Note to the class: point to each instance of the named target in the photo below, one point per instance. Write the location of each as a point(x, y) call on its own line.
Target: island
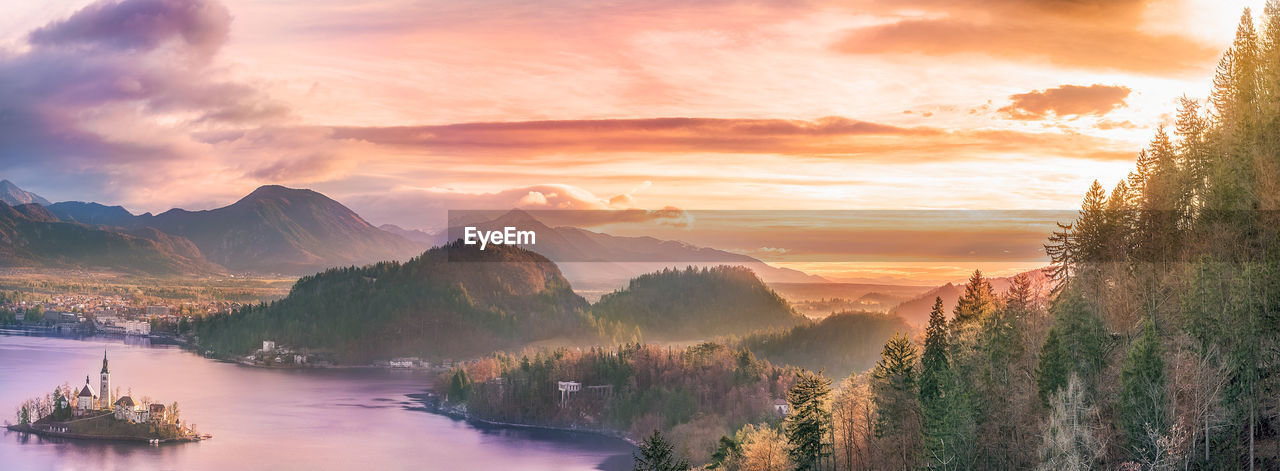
point(103, 415)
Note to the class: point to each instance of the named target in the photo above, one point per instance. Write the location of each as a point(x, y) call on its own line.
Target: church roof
point(125, 401)
point(104, 362)
point(85, 392)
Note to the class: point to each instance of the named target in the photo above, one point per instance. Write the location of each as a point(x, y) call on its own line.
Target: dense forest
point(695, 304)
point(695, 394)
point(1158, 348)
point(457, 302)
point(453, 301)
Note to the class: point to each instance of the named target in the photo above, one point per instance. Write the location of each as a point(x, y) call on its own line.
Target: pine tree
point(897, 401)
point(809, 422)
point(1077, 343)
point(978, 300)
point(655, 453)
point(459, 386)
point(933, 363)
point(1052, 369)
point(1143, 406)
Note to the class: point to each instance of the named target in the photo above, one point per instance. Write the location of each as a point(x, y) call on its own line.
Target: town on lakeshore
point(103, 414)
point(109, 314)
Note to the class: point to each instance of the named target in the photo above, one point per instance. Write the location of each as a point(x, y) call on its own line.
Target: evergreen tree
point(459, 386)
point(1053, 368)
point(978, 300)
point(933, 363)
point(1143, 406)
point(1077, 343)
point(726, 450)
point(897, 401)
point(655, 453)
point(809, 422)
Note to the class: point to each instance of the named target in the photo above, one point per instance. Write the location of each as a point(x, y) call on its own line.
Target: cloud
point(427, 208)
point(1066, 101)
point(120, 91)
point(140, 25)
point(1086, 34)
point(834, 137)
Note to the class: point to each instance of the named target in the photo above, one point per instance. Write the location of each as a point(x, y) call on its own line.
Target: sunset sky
point(404, 109)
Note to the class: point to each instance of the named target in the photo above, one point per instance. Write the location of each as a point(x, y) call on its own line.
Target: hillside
point(695, 303)
point(32, 236)
point(272, 230)
point(451, 302)
point(841, 344)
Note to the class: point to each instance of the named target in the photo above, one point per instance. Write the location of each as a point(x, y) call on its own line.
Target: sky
point(404, 109)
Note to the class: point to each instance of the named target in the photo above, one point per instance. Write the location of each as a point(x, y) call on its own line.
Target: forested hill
point(694, 303)
point(453, 301)
point(840, 344)
point(31, 236)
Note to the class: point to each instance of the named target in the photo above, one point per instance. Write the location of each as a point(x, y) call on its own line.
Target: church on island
point(124, 408)
point(83, 413)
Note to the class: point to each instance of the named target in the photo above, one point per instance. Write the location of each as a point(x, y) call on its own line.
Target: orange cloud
point(1087, 34)
point(1066, 100)
point(832, 137)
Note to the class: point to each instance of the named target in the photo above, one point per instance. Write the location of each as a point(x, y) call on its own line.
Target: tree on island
point(658, 454)
point(24, 415)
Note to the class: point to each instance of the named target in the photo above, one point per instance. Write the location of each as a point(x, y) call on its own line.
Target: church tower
point(104, 394)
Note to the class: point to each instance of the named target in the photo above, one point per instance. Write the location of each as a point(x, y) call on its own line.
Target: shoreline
point(27, 429)
point(467, 417)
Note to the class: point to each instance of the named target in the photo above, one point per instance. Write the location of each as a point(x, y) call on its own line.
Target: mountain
point(453, 301)
point(594, 260)
point(417, 235)
point(30, 235)
point(272, 230)
point(916, 310)
point(11, 195)
point(696, 303)
point(93, 214)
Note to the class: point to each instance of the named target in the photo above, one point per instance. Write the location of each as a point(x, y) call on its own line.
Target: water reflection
point(274, 419)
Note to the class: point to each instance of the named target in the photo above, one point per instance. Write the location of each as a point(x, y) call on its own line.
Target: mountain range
point(274, 229)
point(283, 230)
point(30, 235)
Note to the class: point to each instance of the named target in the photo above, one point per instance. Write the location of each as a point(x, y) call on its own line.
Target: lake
point(364, 419)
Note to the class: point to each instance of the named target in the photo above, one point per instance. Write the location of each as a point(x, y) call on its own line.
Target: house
point(157, 310)
point(781, 407)
point(268, 345)
point(126, 409)
point(567, 389)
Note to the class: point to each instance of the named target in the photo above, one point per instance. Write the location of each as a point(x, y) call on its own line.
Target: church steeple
point(104, 391)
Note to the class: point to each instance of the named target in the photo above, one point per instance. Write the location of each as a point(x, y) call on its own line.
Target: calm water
point(272, 419)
